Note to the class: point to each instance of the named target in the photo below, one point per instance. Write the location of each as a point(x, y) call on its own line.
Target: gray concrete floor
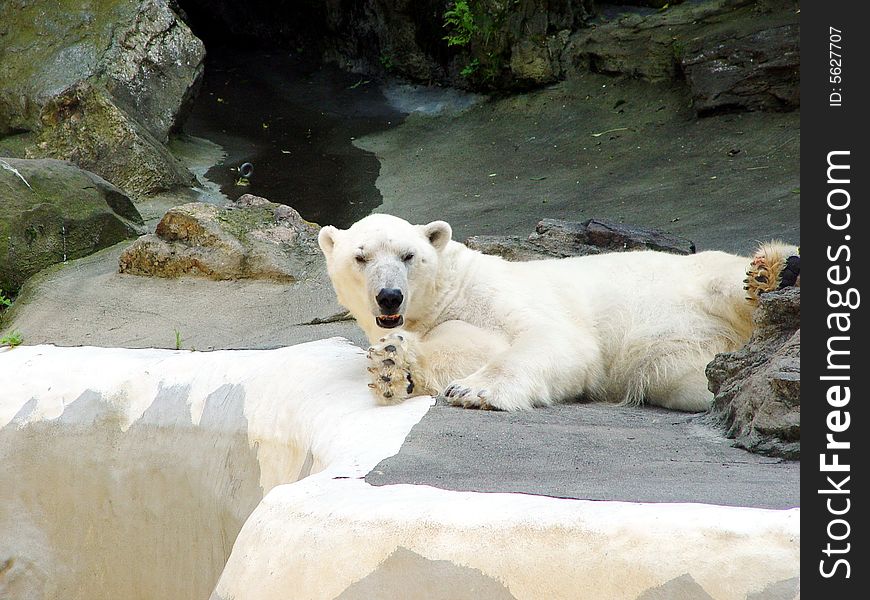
point(591, 451)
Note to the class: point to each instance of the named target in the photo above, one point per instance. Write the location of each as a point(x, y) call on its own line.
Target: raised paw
point(391, 369)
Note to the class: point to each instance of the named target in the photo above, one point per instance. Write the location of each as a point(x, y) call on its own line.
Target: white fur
point(625, 327)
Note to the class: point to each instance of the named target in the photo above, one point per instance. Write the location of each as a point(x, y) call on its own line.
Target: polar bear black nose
point(389, 299)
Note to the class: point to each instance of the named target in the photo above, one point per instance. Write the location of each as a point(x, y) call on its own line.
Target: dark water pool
point(295, 121)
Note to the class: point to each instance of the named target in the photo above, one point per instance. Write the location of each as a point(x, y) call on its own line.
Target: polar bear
point(483, 332)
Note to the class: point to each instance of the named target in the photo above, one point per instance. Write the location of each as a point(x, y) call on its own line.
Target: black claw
point(410, 384)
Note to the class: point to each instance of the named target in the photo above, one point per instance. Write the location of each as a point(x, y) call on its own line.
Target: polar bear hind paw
point(772, 264)
point(390, 370)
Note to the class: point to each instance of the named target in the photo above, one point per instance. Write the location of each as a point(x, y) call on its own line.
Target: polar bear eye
point(360, 259)
point(408, 257)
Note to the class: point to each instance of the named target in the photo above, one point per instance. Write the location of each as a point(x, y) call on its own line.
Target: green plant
point(4, 301)
point(386, 61)
point(479, 29)
point(12, 339)
point(177, 339)
point(471, 68)
point(459, 23)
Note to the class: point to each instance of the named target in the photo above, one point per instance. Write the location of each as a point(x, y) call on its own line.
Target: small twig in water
point(609, 131)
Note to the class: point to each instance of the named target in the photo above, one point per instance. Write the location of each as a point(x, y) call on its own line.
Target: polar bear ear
point(326, 239)
point(438, 233)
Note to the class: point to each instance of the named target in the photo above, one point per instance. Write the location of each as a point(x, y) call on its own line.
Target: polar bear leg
point(406, 365)
point(686, 391)
point(543, 366)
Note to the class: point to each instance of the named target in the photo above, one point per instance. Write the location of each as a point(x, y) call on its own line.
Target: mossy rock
point(251, 238)
point(52, 211)
point(84, 125)
point(138, 49)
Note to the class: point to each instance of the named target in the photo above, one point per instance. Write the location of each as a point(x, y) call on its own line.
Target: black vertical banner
point(835, 111)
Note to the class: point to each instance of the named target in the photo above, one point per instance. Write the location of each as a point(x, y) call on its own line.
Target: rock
point(516, 44)
point(554, 238)
point(531, 61)
point(251, 238)
point(139, 51)
point(509, 247)
point(607, 235)
point(102, 83)
point(154, 68)
point(52, 211)
point(755, 70)
point(84, 125)
point(757, 388)
point(733, 54)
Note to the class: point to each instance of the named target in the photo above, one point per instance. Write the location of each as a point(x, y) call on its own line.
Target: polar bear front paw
point(466, 397)
point(391, 370)
point(487, 393)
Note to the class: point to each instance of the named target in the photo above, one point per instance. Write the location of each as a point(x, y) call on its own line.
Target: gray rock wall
point(757, 388)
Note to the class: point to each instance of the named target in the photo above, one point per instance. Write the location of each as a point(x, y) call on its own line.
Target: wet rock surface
point(251, 238)
point(554, 238)
point(52, 211)
point(757, 388)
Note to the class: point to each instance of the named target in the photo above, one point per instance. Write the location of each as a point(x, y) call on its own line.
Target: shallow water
point(295, 121)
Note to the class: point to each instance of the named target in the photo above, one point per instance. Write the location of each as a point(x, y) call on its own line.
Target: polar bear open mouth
point(389, 321)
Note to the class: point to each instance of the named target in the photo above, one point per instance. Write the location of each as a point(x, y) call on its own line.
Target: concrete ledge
point(240, 474)
point(347, 539)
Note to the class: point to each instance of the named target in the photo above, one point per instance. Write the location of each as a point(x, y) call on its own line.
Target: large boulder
point(85, 126)
point(757, 388)
point(251, 238)
point(52, 211)
point(733, 54)
point(130, 61)
point(139, 51)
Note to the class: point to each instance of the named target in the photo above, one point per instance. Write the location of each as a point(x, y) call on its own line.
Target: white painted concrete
point(133, 473)
point(128, 473)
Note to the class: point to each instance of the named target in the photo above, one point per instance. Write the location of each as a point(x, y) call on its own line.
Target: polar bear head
point(383, 268)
